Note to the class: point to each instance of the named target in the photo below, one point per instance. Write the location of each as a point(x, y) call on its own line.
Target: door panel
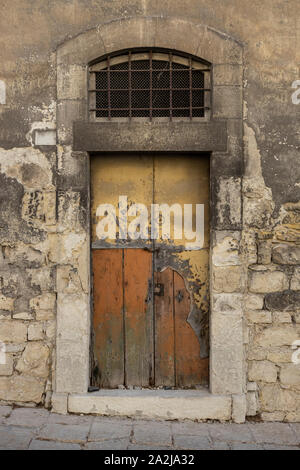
point(123, 317)
point(138, 311)
point(182, 179)
point(108, 316)
point(120, 175)
point(190, 369)
point(164, 330)
point(177, 348)
point(151, 297)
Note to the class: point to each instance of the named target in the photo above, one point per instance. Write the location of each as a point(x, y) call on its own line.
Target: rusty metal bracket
point(179, 296)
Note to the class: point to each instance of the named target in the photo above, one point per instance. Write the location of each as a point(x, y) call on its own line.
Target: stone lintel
point(150, 136)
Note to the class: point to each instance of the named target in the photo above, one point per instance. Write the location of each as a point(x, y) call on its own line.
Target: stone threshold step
point(153, 404)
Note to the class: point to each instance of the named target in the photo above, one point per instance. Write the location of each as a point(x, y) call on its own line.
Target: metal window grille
point(149, 84)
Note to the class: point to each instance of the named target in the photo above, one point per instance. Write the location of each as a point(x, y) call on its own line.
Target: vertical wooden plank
point(138, 306)
point(191, 370)
point(183, 179)
point(164, 330)
point(108, 316)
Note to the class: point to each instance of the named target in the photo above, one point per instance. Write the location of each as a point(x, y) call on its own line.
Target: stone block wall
point(272, 315)
point(41, 260)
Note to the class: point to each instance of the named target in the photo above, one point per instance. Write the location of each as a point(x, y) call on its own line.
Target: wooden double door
point(150, 294)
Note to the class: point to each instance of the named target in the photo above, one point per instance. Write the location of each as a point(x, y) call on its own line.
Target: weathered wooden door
point(150, 276)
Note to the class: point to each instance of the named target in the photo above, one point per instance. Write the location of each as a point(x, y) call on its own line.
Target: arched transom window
point(152, 84)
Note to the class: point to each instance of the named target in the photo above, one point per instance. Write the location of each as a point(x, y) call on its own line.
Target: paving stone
point(4, 413)
point(15, 438)
point(31, 417)
point(296, 429)
point(192, 442)
point(279, 447)
point(147, 447)
point(246, 446)
point(69, 419)
point(35, 428)
point(230, 432)
point(115, 420)
point(109, 430)
point(152, 433)
point(65, 432)
point(219, 445)
point(274, 433)
point(52, 445)
point(111, 444)
point(190, 429)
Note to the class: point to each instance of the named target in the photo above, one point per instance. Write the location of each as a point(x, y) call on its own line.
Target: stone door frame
point(222, 135)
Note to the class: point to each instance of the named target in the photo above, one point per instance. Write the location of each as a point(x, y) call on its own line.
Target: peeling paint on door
point(158, 314)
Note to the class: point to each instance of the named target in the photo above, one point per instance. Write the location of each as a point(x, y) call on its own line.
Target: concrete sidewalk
point(38, 429)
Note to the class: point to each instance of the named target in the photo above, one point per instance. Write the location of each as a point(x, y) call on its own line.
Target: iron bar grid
point(149, 86)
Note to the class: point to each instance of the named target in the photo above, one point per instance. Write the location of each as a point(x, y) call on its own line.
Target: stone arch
point(171, 33)
point(224, 53)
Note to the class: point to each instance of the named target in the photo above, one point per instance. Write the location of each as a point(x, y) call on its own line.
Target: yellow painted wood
point(183, 179)
point(117, 175)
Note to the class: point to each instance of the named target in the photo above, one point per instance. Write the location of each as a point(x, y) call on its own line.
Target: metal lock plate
point(159, 290)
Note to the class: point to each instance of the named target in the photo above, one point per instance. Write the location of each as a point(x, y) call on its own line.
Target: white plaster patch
point(2, 92)
point(72, 242)
point(63, 248)
point(252, 154)
point(229, 200)
point(226, 252)
point(45, 137)
point(64, 153)
point(48, 111)
point(13, 160)
point(40, 127)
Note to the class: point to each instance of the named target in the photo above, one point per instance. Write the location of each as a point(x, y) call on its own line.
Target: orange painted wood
point(108, 316)
point(138, 317)
point(190, 368)
point(164, 331)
